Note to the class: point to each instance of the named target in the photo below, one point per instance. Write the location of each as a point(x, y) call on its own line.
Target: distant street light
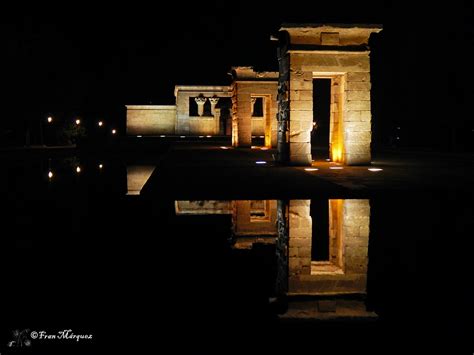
point(78, 121)
point(78, 169)
point(50, 119)
point(101, 123)
point(50, 174)
point(114, 131)
point(100, 166)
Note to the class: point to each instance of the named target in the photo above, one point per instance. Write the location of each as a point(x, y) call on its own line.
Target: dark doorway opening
point(321, 118)
point(319, 212)
point(258, 137)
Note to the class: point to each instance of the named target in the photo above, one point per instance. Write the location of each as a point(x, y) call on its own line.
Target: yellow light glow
point(78, 121)
point(101, 123)
point(208, 136)
point(336, 154)
point(50, 174)
point(50, 119)
point(311, 169)
point(78, 169)
point(328, 159)
point(114, 131)
point(262, 136)
point(375, 169)
point(336, 167)
point(264, 148)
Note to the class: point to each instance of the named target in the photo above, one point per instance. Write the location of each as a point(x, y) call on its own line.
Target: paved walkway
point(191, 171)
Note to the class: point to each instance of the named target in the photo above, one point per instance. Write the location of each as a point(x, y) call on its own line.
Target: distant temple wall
point(151, 120)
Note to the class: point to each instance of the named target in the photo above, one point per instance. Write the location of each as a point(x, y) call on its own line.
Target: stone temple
point(279, 106)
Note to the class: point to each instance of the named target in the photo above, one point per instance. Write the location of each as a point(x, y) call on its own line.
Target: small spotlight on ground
point(78, 169)
point(311, 169)
point(260, 162)
point(262, 136)
point(375, 169)
point(264, 148)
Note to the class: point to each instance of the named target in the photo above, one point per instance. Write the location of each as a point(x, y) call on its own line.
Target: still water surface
point(81, 250)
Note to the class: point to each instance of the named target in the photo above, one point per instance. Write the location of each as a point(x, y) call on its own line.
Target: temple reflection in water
point(321, 250)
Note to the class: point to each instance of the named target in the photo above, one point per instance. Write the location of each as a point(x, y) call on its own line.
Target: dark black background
point(92, 59)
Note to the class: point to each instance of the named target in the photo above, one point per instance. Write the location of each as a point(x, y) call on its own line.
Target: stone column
point(252, 105)
point(200, 102)
point(213, 101)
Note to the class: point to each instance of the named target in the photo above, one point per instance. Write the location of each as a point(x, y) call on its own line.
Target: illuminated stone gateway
point(321, 249)
point(279, 107)
point(339, 53)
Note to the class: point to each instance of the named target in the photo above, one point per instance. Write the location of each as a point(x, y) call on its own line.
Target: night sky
point(90, 60)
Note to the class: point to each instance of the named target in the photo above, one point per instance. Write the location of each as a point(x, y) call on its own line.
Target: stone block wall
point(151, 120)
point(137, 176)
point(341, 54)
point(197, 125)
point(243, 124)
point(349, 223)
point(244, 224)
point(350, 120)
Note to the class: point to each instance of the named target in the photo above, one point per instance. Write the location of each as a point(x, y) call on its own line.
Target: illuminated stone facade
point(339, 53)
point(344, 272)
point(248, 87)
point(206, 120)
point(253, 221)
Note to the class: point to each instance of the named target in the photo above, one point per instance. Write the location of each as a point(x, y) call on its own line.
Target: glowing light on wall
point(208, 136)
point(336, 153)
